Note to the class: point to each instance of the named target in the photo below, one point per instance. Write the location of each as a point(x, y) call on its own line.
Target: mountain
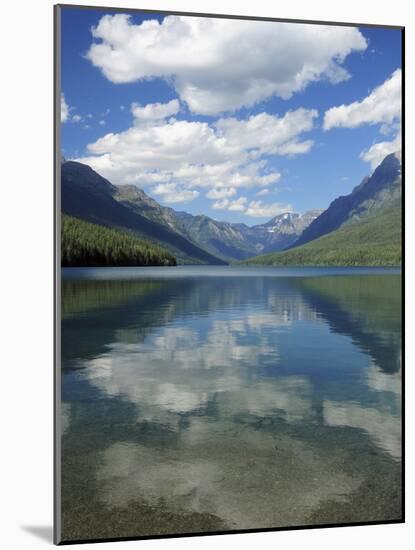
point(368, 227)
point(88, 244)
point(192, 239)
point(373, 240)
point(229, 241)
point(88, 196)
point(138, 201)
point(372, 193)
point(279, 232)
point(222, 239)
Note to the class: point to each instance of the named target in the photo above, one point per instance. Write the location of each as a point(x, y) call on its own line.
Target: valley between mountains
point(104, 225)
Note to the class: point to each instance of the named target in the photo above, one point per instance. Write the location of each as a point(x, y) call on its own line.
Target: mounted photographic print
point(228, 274)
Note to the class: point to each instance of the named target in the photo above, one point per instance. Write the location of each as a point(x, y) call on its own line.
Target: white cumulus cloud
point(221, 204)
point(155, 111)
point(237, 205)
point(382, 105)
point(378, 151)
point(172, 193)
point(257, 209)
point(218, 65)
point(64, 109)
point(220, 157)
point(220, 193)
point(270, 134)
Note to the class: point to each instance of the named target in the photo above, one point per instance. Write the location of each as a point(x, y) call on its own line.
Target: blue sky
point(228, 118)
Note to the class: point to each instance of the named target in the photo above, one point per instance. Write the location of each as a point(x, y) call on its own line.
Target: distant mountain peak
point(281, 218)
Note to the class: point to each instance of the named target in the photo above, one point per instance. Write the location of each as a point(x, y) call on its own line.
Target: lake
point(199, 399)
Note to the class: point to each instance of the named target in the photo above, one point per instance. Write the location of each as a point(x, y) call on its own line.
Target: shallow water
point(206, 399)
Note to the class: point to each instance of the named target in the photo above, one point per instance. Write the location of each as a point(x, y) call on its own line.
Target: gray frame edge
point(57, 275)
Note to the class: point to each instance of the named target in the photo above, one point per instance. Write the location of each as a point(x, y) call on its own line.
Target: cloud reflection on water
point(257, 388)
